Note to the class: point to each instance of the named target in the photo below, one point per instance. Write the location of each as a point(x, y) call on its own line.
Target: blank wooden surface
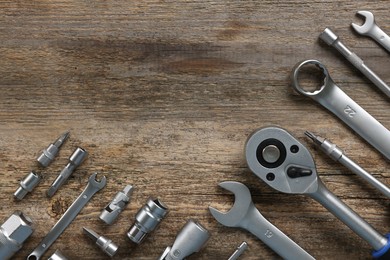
point(163, 95)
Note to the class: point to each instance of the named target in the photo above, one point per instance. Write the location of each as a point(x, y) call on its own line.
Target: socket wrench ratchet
point(371, 29)
point(336, 101)
point(93, 186)
point(283, 163)
point(245, 215)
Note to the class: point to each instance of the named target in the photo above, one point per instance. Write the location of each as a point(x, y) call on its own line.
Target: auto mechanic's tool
point(51, 151)
point(13, 233)
point(335, 100)
point(93, 186)
point(75, 160)
point(371, 29)
point(29, 182)
point(239, 251)
point(245, 215)
point(286, 165)
point(333, 40)
point(147, 219)
point(105, 244)
point(57, 256)
point(338, 155)
point(111, 212)
point(191, 238)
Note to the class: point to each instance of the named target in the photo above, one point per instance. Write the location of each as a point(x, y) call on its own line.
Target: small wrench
point(93, 186)
point(335, 100)
point(244, 215)
point(283, 163)
point(371, 29)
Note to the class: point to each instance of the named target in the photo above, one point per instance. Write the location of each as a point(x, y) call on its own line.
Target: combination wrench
point(283, 163)
point(371, 29)
point(93, 186)
point(245, 215)
point(335, 100)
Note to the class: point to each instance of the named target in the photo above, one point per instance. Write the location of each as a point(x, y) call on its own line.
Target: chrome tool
point(111, 212)
point(338, 155)
point(239, 251)
point(105, 244)
point(244, 215)
point(292, 170)
point(335, 100)
point(50, 152)
point(371, 29)
point(71, 213)
point(13, 233)
point(57, 256)
point(333, 40)
point(27, 185)
point(191, 238)
point(75, 160)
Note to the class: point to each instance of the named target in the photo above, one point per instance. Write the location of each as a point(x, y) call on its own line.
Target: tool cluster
point(272, 154)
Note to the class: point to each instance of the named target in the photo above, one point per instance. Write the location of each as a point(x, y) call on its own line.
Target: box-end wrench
point(371, 29)
point(335, 100)
point(244, 215)
point(93, 186)
point(286, 165)
point(333, 40)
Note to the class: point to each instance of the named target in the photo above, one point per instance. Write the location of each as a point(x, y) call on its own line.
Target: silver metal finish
point(297, 175)
point(75, 160)
point(50, 152)
point(13, 233)
point(27, 185)
point(147, 219)
point(338, 155)
point(191, 238)
point(371, 29)
point(111, 212)
point(332, 39)
point(57, 256)
point(271, 153)
point(105, 244)
point(244, 215)
point(71, 213)
point(239, 251)
point(335, 100)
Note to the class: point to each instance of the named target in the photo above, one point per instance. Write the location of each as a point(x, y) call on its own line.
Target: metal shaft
point(332, 39)
point(348, 216)
point(239, 251)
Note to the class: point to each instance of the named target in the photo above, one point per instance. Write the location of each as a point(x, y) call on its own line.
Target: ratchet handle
point(340, 104)
point(273, 237)
point(384, 252)
point(349, 217)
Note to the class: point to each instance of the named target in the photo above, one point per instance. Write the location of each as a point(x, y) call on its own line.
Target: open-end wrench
point(335, 100)
point(93, 186)
point(244, 215)
point(286, 165)
point(371, 29)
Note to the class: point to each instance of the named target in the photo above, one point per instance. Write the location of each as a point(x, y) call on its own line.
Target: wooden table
point(163, 95)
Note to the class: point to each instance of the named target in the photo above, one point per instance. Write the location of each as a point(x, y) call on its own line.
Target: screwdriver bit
point(239, 251)
point(106, 245)
point(51, 151)
point(75, 160)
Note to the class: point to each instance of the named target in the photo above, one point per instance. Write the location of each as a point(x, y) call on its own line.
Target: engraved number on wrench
point(349, 111)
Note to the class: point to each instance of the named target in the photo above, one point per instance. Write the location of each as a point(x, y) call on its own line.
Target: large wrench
point(244, 215)
point(93, 186)
point(335, 100)
point(286, 165)
point(371, 29)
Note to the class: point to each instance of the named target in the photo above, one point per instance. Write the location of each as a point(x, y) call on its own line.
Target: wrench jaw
point(93, 180)
point(242, 204)
point(293, 171)
point(368, 23)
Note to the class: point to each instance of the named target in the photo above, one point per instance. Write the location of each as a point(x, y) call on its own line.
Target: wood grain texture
point(163, 95)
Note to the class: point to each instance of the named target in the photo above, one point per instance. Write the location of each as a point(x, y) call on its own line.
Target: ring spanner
point(335, 100)
point(93, 186)
point(244, 215)
point(286, 165)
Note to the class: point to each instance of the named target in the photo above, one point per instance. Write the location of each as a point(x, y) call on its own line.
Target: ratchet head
point(242, 203)
point(281, 161)
point(97, 183)
point(368, 23)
